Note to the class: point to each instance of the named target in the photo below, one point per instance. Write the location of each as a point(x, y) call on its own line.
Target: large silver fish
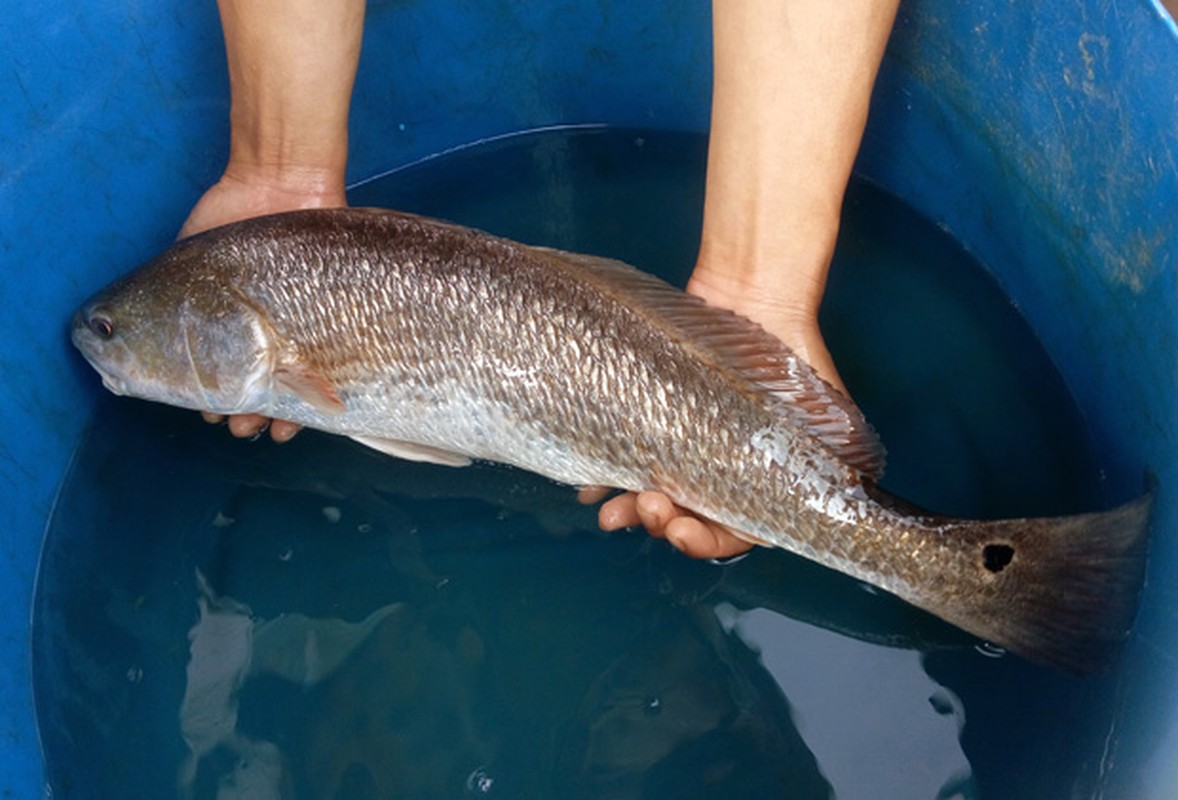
point(435, 342)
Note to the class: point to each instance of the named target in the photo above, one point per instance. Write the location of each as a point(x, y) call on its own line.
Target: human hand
point(244, 192)
point(697, 536)
point(292, 64)
point(248, 191)
point(693, 535)
point(786, 125)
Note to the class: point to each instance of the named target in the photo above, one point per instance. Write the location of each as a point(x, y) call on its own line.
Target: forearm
point(793, 80)
point(292, 64)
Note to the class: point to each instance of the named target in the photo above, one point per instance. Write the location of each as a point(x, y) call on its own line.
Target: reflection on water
point(844, 698)
point(223, 619)
point(684, 712)
point(348, 747)
point(703, 699)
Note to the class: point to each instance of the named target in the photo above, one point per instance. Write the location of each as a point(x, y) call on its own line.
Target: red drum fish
point(435, 342)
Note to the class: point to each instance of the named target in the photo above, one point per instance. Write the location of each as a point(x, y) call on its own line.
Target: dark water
point(226, 619)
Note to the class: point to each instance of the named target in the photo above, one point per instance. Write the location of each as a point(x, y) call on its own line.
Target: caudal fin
point(1059, 591)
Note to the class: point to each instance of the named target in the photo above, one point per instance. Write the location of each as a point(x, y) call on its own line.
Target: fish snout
point(91, 331)
point(90, 325)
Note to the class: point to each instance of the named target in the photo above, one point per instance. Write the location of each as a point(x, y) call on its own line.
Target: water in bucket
point(225, 619)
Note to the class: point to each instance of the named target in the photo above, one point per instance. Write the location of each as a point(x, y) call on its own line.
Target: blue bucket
point(1046, 143)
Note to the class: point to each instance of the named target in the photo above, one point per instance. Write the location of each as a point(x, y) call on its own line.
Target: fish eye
point(102, 327)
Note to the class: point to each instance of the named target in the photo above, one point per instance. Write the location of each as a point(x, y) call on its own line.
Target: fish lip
point(112, 384)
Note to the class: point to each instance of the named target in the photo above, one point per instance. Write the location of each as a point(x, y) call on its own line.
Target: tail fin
point(1058, 591)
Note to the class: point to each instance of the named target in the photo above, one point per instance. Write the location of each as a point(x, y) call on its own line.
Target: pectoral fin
point(310, 386)
point(411, 451)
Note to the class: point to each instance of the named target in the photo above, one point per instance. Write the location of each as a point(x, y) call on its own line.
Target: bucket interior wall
point(1046, 143)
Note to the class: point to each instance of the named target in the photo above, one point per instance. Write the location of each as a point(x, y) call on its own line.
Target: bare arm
point(292, 64)
point(792, 83)
point(793, 80)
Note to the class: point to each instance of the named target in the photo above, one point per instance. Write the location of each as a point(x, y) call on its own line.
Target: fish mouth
point(113, 384)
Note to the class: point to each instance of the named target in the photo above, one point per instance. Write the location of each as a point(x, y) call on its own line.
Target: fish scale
point(436, 342)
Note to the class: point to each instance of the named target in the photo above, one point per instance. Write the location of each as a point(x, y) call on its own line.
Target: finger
point(655, 511)
point(701, 538)
point(589, 495)
point(619, 512)
point(245, 426)
point(282, 430)
point(211, 418)
point(696, 537)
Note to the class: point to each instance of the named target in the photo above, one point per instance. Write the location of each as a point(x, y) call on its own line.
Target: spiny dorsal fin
point(746, 351)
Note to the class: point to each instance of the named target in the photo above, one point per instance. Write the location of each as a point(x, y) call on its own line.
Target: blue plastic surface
point(1046, 142)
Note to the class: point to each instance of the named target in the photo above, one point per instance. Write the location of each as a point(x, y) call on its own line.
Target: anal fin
point(411, 451)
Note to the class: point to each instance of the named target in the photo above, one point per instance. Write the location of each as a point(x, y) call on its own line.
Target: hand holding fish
point(774, 187)
point(797, 327)
point(246, 191)
point(292, 64)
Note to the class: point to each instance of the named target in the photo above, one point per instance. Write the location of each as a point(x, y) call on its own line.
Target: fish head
point(175, 332)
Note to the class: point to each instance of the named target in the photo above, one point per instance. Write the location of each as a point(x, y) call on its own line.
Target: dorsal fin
point(747, 352)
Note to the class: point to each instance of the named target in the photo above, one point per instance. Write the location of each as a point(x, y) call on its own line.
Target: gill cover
point(226, 348)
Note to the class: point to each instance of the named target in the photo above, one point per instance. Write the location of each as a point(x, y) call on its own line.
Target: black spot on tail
point(1060, 591)
point(996, 557)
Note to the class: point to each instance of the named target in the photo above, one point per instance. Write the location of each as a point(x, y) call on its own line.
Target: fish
point(434, 342)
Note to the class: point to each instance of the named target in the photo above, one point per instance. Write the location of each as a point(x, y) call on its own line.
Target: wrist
point(247, 192)
point(296, 181)
point(782, 263)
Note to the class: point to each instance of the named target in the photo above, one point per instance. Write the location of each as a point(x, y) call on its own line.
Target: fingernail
point(677, 541)
point(259, 432)
point(724, 561)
